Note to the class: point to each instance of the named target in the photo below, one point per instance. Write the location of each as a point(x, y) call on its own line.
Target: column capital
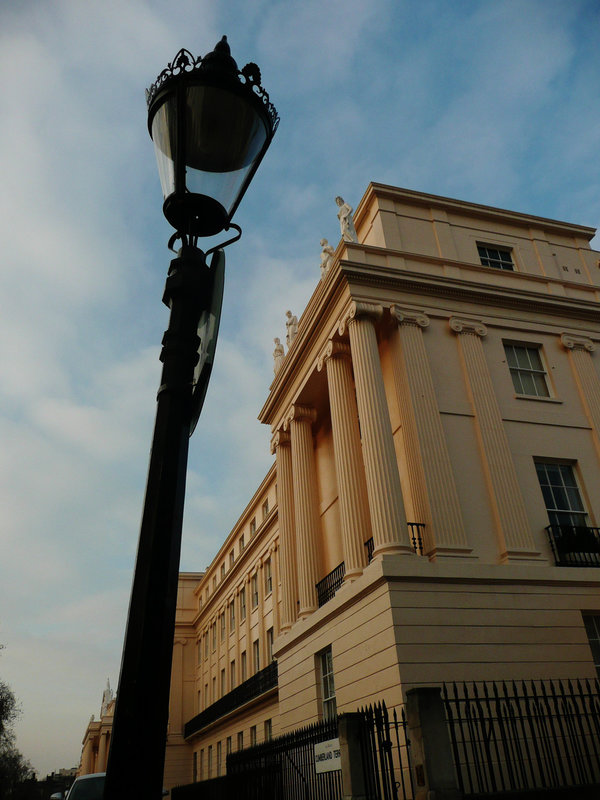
point(298, 412)
point(359, 310)
point(572, 342)
point(280, 439)
point(473, 326)
point(408, 316)
point(333, 349)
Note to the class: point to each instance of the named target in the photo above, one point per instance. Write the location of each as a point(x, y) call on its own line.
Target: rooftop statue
point(345, 217)
point(292, 327)
point(278, 355)
point(327, 255)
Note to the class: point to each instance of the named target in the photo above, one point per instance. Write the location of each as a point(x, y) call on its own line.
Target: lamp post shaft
point(137, 750)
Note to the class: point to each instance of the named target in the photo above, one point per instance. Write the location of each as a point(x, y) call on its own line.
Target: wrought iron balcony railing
point(575, 545)
point(258, 684)
point(415, 530)
point(327, 587)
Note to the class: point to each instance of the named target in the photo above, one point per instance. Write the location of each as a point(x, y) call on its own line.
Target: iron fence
point(524, 736)
point(285, 768)
point(385, 750)
point(415, 531)
point(327, 588)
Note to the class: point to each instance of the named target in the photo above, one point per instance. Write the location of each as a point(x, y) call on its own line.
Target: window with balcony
point(495, 257)
point(268, 577)
point(574, 542)
point(256, 654)
point(527, 370)
point(270, 639)
point(328, 701)
point(592, 628)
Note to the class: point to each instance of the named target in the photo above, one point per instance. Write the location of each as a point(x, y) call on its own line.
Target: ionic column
point(349, 467)
point(433, 489)
point(512, 525)
point(580, 350)
point(388, 518)
point(276, 594)
point(281, 446)
point(306, 506)
point(102, 752)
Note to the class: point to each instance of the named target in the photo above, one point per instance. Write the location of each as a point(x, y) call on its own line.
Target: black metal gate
point(386, 754)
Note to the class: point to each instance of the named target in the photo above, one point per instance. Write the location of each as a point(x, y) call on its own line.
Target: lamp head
point(211, 125)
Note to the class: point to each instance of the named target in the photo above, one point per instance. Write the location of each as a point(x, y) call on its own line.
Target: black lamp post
point(211, 125)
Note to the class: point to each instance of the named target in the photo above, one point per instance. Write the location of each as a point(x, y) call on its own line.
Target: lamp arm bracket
point(229, 241)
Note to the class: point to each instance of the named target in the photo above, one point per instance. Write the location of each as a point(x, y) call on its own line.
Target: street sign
point(328, 756)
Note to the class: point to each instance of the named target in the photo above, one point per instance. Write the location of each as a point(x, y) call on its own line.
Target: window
point(527, 370)
point(223, 683)
point(270, 644)
point(206, 645)
point(265, 509)
point(496, 257)
point(253, 527)
point(232, 674)
point(210, 761)
point(231, 617)
point(253, 736)
point(206, 698)
point(222, 571)
point(214, 583)
point(214, 636)
point(254, 589)
point(219, 754)
point(244, 674)
point(561, 493)
point(199, 647)
point(231, 559)
point(328, 702)
point(243, 603)
point(268, 729)
point(242, 543)
point(214, 689)
point(199, 701)
point(256, 654)
point(592, 628)
point(240, 740)
point(195, 767)
point(202, 764)
point(228, 745)
point(222, 625)
point(268, 577)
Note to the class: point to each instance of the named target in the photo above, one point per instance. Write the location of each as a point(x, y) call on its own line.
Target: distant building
point(96, 740)
point(432, 513)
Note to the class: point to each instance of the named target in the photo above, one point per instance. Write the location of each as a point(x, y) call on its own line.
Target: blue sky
point(490, 101)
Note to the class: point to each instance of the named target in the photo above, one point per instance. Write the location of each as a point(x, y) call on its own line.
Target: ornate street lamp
point(211, 125)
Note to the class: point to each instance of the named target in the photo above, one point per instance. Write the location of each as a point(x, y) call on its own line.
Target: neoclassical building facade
point(431, 514)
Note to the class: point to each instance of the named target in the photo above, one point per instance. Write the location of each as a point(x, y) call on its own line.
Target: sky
point(488, 101)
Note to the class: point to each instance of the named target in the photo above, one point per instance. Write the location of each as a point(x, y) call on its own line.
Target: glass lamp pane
point(163, 136)
point(225, 134)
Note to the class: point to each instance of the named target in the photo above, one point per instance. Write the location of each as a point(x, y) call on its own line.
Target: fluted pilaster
point(433, 489)
point(306, 506)
point(281, 446)
point(516, 541)
point(388, 518)
point(349, 467)
point(580, 350)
